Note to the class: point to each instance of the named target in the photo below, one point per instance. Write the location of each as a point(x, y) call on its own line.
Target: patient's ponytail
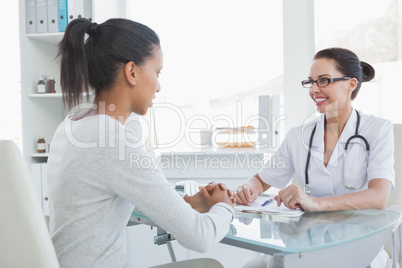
point(74, 67)
point(94, 62)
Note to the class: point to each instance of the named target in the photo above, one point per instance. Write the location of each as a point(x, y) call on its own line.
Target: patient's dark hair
point(95, 62)
point(348, 64)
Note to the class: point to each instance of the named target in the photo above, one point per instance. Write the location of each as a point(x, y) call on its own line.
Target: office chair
point(393, 245)
point(24, 237)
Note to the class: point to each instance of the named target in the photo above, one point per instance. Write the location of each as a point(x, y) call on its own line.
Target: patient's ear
point(130, 72)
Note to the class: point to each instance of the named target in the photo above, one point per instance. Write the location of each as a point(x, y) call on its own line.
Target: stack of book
point(239, 137)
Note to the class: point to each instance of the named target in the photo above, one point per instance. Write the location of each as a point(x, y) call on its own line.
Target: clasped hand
point(209, 195)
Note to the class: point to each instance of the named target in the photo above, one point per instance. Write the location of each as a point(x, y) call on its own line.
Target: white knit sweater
point(98, 171)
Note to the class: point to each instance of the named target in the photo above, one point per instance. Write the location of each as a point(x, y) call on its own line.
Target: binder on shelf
point(45, 199)
point(71, 10)
point(276, 120)
point(36, 176)
point(75, 9)
point(30, 16)
point(62, 12)
point(79, 8)
point(41, 16)
point(264, 121)
point(88, 9)
point(52, 16)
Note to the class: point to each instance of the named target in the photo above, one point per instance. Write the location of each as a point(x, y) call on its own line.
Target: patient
point(93, 186)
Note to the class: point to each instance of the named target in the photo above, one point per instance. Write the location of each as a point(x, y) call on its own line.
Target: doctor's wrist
point(320, 205)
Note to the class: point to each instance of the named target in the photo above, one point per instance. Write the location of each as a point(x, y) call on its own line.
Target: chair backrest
point(396, 195)
point(24, 236)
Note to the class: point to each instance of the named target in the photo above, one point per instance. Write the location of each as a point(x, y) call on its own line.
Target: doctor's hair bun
point(348, 64)
point(368, 71)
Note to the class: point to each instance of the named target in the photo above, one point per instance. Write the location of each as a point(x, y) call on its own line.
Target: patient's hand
point(210, 186)
point(210, 195)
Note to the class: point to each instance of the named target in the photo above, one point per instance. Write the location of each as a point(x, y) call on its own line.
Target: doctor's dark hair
point(348, 64)
point(95, 62)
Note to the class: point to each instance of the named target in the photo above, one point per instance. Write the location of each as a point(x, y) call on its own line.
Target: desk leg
point(399, 244)
point(161, 238)
point(164, 238)
point(394, 248)
point(358, 253)
point(171, 252)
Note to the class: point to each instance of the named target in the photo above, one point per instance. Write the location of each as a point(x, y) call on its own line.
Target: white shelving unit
point(42, 113)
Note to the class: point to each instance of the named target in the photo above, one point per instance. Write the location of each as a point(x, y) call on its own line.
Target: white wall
point(298, 27)
point(298, 52)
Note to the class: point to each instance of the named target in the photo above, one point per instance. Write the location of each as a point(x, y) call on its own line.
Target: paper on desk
point(270, 209)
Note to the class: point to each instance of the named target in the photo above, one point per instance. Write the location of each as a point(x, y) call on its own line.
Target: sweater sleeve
point(137, 178)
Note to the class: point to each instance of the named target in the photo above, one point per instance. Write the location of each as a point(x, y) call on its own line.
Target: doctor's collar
point(347, 131)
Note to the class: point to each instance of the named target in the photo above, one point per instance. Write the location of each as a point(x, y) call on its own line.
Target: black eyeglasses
point(322, 82)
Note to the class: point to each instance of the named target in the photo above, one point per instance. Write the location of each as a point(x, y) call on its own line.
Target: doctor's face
point(334, 98)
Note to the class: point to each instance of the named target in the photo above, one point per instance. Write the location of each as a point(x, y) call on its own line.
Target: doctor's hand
point(294, 197)
point(245, 195)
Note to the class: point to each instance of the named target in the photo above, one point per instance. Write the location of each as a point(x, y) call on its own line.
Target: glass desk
point(323, 239)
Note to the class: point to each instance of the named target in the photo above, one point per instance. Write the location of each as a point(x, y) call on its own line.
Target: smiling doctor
point(343, 159)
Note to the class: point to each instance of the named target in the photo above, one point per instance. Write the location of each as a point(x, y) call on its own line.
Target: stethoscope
point(356, 136)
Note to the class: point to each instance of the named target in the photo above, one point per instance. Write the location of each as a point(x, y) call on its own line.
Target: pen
point(261, 212)
point(267, 202)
